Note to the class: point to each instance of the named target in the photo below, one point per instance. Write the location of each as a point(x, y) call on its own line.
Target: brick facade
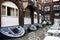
point(19, 5)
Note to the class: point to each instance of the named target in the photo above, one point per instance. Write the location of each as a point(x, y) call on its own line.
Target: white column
point(14, 12)
point(6, 10)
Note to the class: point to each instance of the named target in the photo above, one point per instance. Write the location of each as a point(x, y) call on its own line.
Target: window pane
point(3, 11)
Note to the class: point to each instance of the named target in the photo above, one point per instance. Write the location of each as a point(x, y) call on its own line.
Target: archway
point(9, 14)
point(29, 14)
point(27, 18)
point(35, 17)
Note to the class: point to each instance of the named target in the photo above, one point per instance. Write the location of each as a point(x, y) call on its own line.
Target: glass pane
point(3, 11)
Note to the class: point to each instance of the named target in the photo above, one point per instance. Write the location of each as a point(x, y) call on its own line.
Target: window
point(35, 2)
point(56, 7)
point(35, 15)
point(55, 0)
point(47, 17)
point(47, 8)
point(42, 9)
point(56, 14)
point(3, 11)
point(46, 1)
point(39, 6)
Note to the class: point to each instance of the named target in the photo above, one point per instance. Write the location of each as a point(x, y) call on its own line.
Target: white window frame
point(47, 17)
point(56, 7)
point(47, 8)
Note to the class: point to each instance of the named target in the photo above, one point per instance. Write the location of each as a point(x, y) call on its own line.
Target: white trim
point(14, 12)
point(47, 8)
point(10, 4)
point(6, 10)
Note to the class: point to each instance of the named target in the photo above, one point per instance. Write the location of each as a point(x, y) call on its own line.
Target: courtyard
point(39, 34)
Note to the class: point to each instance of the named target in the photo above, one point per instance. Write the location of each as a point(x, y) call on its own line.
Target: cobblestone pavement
point(38, 33)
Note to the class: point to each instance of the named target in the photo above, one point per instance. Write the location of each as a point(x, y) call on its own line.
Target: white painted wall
point(35, 20)
point(27, 20)
point(9, 21)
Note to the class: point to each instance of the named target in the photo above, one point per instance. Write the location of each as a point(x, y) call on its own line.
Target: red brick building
point(49, 8)
point(31, 10)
